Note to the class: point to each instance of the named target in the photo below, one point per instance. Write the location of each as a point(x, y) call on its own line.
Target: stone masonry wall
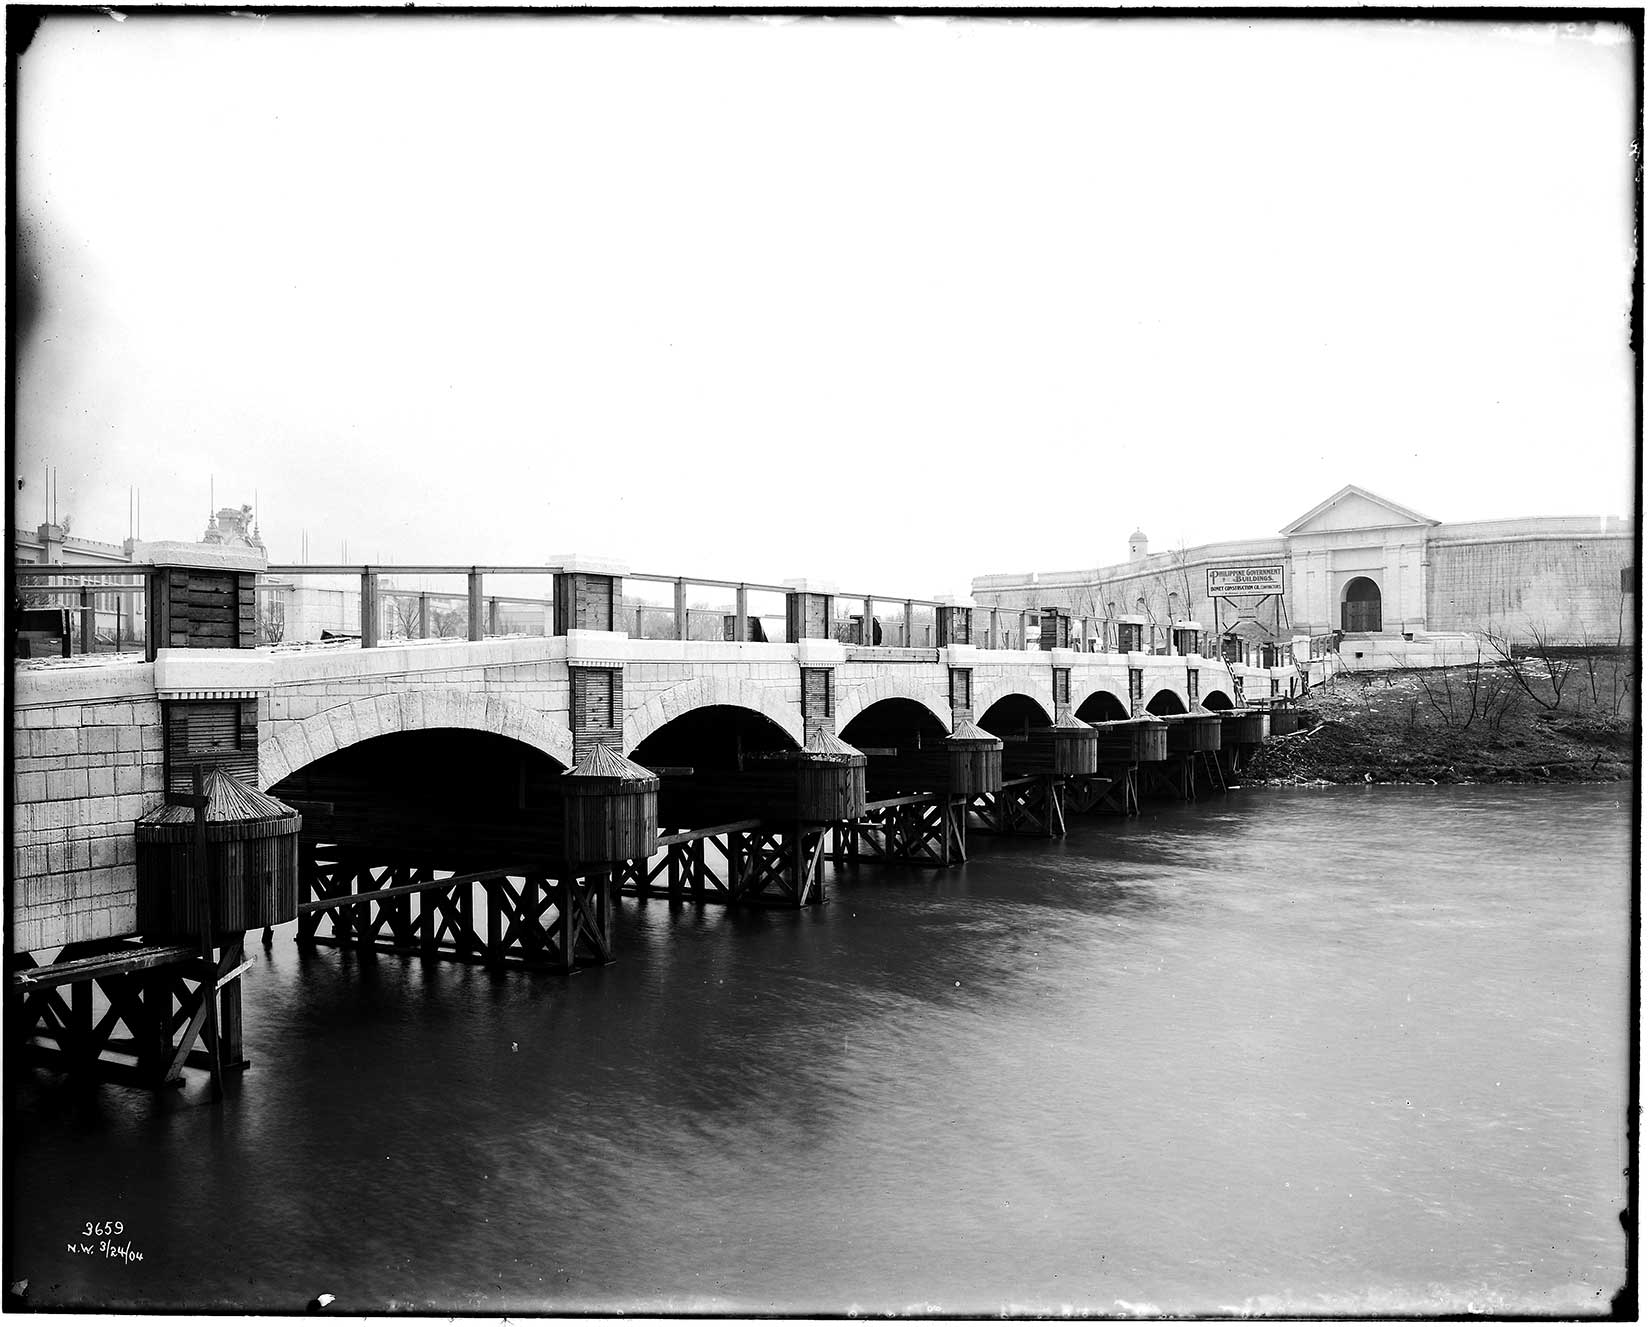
point(87, 767)
point(666, 679)
point(1567, 587)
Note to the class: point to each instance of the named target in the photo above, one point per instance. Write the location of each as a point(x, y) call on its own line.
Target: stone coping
point(594, 564)
point(212, 557)
point(125, 680)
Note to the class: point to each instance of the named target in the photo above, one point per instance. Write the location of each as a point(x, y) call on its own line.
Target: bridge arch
point(1166, 701)
point(711, 737)
point(1013, 713)
point(299, 743)
point(860, 696)
point(998, 683)
point(896, 721)
point(1101, 705)
point(1215, 700)
point(703, 692)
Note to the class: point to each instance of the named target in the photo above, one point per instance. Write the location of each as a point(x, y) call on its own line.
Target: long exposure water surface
point(1319, 1051)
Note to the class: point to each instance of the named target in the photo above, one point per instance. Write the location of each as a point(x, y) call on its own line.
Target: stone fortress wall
point(1560, 578)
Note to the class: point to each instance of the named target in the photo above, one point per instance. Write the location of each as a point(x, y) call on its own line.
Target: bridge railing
point(659, 607)
point(107, 606)
point(369, 604)
point(707, 609)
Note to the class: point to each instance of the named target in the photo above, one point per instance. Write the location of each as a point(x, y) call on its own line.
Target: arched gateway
point(1361, 605)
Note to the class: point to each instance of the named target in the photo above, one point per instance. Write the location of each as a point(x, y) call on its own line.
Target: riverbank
point(1458, 725)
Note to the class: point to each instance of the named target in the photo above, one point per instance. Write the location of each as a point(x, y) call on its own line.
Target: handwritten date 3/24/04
point(100, 1238)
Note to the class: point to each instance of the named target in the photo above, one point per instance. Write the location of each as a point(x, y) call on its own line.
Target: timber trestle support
point(522, 918)
point(128, 1012)
point(1033, 805)
point(750, 862)
point(1111, 790)
point(921, 829)
point(1181, 775)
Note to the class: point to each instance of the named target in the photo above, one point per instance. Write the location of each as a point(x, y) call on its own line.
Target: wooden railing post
point(475, 604)
point(994, 637)
point(681, 610)
point(88, 621)
point(868, 624)
point(910, 624)
point(492, 615)
point(741, 607)
point(369, 608)
point(423, 616)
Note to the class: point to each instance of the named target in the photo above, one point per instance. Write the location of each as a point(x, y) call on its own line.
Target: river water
point(1314, 1051)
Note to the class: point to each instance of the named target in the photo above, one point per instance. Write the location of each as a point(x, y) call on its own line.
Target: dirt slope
point(1425, 727)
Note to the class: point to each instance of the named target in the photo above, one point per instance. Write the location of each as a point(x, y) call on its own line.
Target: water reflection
point(1339, 1050)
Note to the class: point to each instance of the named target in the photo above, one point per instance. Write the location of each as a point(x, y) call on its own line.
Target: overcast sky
point(885, 302)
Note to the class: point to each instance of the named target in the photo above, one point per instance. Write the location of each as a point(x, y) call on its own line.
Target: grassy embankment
point(1562, 718)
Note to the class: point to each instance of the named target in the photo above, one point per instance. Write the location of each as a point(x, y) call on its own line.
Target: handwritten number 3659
point(104, 1228)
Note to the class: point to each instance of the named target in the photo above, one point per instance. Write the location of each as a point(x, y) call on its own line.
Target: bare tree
point(1550, 665)
point(1086, 603)
point(1437, 687)
point(1491, 694)
point(1602, 661)
point(271, 619)
point(401, 616)
point(1162, 590)
point(1464, 696)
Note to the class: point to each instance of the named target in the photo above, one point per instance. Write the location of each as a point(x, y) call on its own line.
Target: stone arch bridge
point(95, 743)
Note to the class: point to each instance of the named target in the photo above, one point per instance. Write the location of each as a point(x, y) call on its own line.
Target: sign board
point(1245, 580)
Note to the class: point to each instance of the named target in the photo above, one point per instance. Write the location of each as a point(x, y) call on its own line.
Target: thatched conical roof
point(234, 811)
point(825, 745)
point(965, 732)
point(603, 762)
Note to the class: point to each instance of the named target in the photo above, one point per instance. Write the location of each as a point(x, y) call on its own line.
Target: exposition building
point(1359, 573)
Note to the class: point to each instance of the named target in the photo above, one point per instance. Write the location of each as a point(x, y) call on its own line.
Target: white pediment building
point(1364, 566)
point(1357, 562)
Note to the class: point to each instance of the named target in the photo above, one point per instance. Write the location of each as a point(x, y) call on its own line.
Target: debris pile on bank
point(1418, 726)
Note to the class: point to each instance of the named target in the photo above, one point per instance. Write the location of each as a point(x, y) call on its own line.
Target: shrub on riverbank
point(1501, 722)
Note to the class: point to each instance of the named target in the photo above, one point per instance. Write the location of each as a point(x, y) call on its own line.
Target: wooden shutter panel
point(596, 705)
point(597, 710)
point(816, 693)
point(213, 734)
